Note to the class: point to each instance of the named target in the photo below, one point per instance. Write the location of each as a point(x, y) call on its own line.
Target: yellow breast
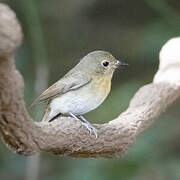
point(102, 85)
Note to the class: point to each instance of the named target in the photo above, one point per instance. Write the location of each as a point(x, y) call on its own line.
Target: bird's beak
point(119, 64)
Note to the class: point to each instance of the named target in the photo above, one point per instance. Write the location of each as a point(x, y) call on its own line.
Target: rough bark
point(66, 136)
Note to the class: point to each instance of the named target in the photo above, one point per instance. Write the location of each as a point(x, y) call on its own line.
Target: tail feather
point(46, 115)
point(49, 115)
point(35, 102)
point(52, 119)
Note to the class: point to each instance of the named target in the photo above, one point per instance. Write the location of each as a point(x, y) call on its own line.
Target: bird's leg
point(74, 116)
point(89, 126)
point(85, 123)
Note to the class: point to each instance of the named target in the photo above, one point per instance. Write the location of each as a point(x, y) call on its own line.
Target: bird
point(82, 89)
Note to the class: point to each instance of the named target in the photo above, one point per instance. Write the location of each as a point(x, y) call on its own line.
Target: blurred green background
point(57, 34)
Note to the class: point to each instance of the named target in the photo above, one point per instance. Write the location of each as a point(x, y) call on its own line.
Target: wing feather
point(67, 83)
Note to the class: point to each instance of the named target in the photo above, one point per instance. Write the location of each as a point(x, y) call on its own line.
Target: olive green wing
point(67, 83)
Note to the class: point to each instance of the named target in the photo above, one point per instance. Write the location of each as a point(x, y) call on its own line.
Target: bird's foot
point(87, 124)
point(90, 128)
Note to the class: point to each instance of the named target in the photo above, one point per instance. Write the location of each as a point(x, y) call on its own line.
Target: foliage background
point(56, 35)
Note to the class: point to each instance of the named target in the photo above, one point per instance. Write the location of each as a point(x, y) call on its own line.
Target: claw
point(87, 124)
point(90, 129)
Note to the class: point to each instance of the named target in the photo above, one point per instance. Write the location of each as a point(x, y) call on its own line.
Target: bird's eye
point(105, 63)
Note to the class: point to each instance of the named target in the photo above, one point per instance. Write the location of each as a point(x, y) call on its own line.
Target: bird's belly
point(78, 102)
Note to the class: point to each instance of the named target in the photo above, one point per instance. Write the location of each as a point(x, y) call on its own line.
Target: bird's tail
point(49, 115)
point(46, 114)
point(35, 102)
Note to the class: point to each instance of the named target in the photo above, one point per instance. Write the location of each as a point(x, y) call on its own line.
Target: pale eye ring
point(105, 63)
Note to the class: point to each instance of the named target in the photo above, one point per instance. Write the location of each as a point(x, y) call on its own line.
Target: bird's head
point(100, 62)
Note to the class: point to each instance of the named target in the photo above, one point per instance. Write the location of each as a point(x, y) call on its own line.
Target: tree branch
point(66, 136)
